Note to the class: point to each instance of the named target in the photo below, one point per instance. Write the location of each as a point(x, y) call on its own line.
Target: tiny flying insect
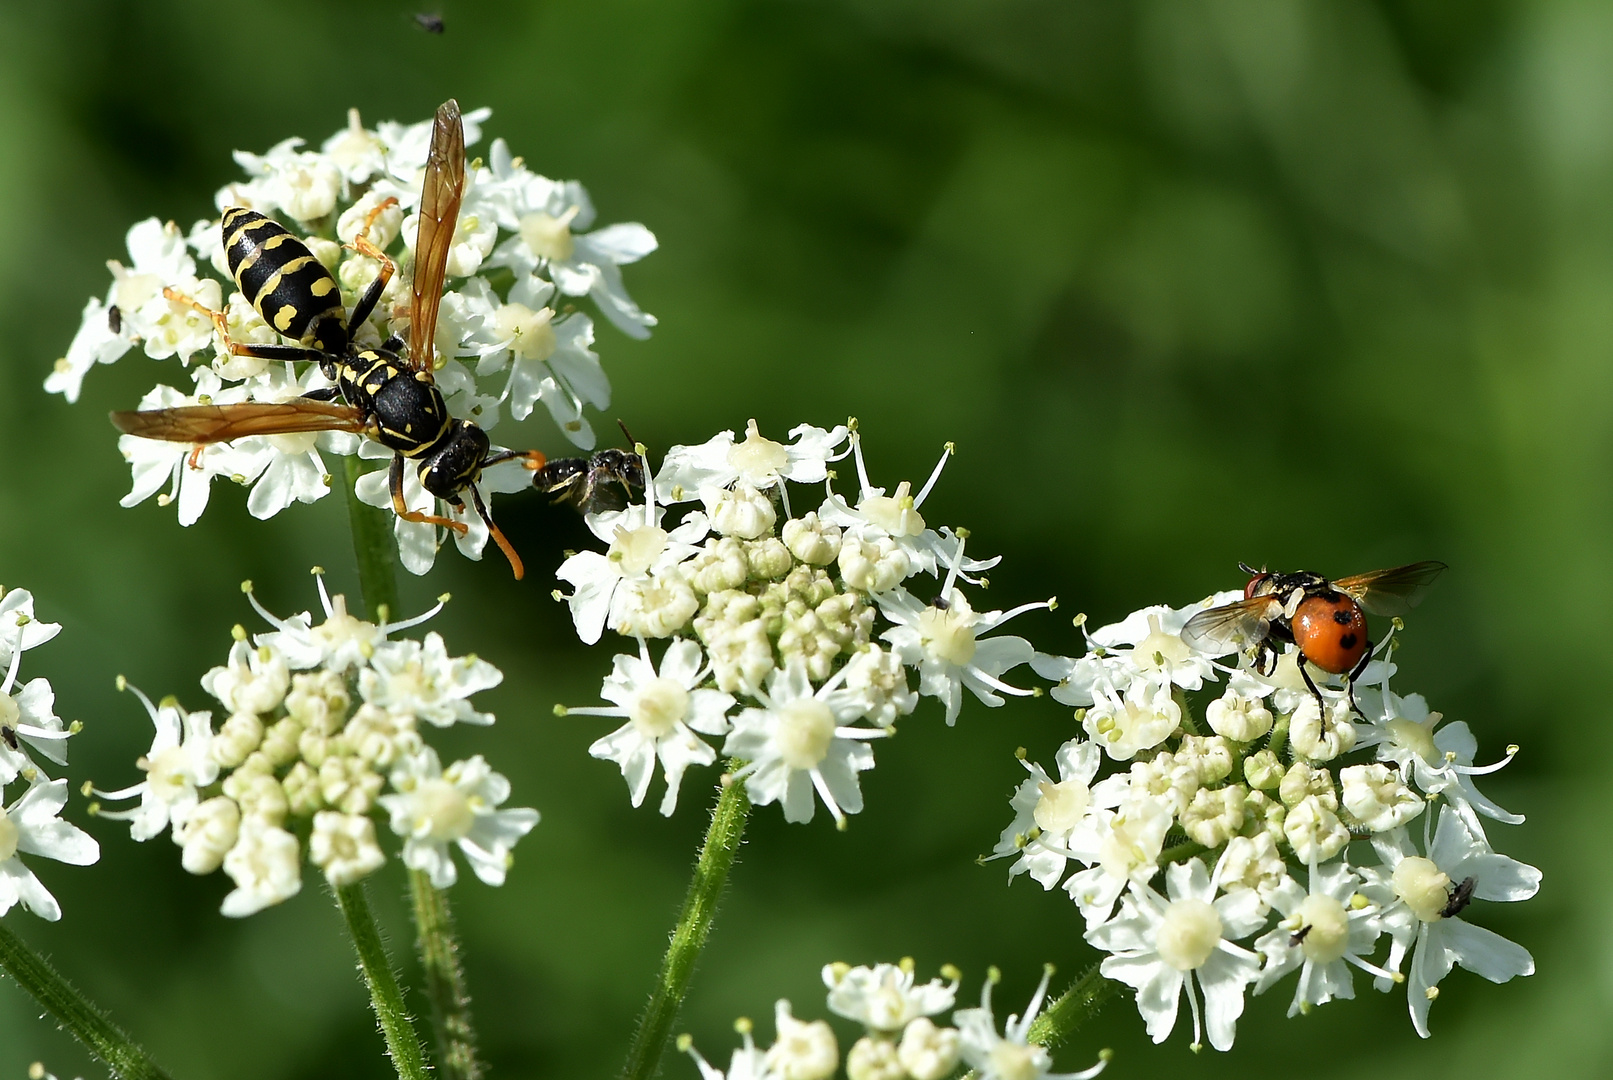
point(1323, 618)
point(430, 23)
point(605, 480)
point(393, 400)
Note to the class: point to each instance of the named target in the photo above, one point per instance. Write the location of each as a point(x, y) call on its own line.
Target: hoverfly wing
point(443, 191)
point(221, 423)
point(1391, 592)
point(1231, 627)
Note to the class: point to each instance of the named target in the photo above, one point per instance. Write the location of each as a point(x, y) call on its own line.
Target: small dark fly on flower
point(1323, 618)
point(114, 319)
point(1461, 896)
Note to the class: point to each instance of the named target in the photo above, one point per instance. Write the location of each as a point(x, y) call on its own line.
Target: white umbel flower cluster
point(900, 1040)
point(1243, 833)
point(790, 635)
point(32, 738)
point(324, 733)
point(508, 333)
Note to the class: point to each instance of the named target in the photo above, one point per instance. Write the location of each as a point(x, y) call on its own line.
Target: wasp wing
point(440, 197)
point(1231, 627)
point(221, 423)
point(1391, 592)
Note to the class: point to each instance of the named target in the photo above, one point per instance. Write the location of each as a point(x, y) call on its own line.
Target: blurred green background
point(1322, 285)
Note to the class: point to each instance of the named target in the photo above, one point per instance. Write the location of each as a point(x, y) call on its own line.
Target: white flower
point(95, 343)
point(1011, 1055)
point(188, 470)
point(435, 808)
point(688, 472)
point(639, 550)
point(344, 846)
point(303, 184)
point(797, 743)
point(31, 826)
point(1253, 862)
point(1144, 646)
point(265, 867)
point(542, 213)
point(1238, 717)
point(19, 629)
point(207, 834)
point(928, 1052)
point(1162, 945)
point(740, 511)
point(1048, 814)
point(1424, 896)
point(664, 711)
point(1374, 796)
point(549, 357)
point(1438, 760)
point(884, 997)
point(179, 762)
point(28, 719)
point(1322, 933)
point(944, 640)
point(801, 1051)
point(877, 679)
point(747, 1062)
point(1322, 737)
point(1130, 839)
point(255, 680)
point(896, 518)
point(1124, 726)
point(420, 679)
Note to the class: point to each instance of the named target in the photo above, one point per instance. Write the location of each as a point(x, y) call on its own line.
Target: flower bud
point(928, 1052)
point(873, 1059)
point(741, 511)
point(1238, 718)
point(812, 541)
point(1263, 770)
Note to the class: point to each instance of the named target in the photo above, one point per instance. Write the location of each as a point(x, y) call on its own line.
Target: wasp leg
point(395, 481)
point(498, 534)
point(324, 393)
point(237, 348)
point(361, 244)
point(534, 459)
point(1321, 705)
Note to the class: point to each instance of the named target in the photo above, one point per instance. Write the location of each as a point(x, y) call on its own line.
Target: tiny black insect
point(114, 319)
point(1298, 937)
point(9, 735)
point(1461, 896)
point(431, 24)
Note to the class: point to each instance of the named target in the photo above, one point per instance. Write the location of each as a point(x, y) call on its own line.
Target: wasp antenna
point(622, 424)
point(498, 535)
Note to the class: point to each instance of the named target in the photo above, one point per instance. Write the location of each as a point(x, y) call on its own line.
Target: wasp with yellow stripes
point(384, 396)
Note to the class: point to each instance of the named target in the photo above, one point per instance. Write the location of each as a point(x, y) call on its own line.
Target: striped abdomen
point(280, 277)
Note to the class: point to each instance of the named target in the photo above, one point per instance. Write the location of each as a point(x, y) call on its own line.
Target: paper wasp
point(393, 400)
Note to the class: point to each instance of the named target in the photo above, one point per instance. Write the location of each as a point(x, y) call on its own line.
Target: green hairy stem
point(693, 927)
point(402, 1044)
point(445, 980)
point(74, 1012)
point(1072, 1008)
point(435, 940)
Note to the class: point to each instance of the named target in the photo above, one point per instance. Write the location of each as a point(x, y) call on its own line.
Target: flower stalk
point(438, 947)
point(87, 1023)
point(717, 854)
point(435, 940)
point(402, 1044)
point(1072, 1008)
